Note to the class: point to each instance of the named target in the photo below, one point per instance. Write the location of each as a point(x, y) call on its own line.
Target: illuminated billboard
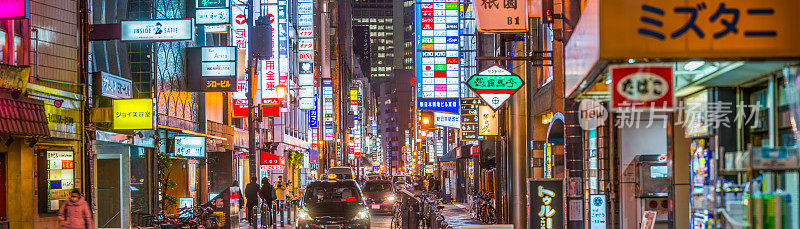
point(437, 51)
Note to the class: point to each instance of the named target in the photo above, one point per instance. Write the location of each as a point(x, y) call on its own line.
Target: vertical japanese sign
point(469, 119)
point(270, 68)
point(487, 121)
point(239, 28)
point(501, 16)
point(437, 52)
point(546, 203)
point(283, 44)
point(597, 211)
point(355, 107)
point(641, 86)
point(327, 109)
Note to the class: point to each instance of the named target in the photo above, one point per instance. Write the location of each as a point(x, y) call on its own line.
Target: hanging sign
point(447, 120)
point(112, 86)
point(157, 30)
point(272, 159)
point(641, 86)
point(546, 204)
point(211, 3)
point(189, 146)
point(133, 114)
point(494, 85)
point(212, 16)
point(487, 121)
point(211, 69)
point(469, 119)
point(507, 16)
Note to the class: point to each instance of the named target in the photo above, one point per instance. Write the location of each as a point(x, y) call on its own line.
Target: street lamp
point(280, 90)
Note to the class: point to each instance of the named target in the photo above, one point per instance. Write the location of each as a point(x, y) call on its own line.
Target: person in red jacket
point(75, 213)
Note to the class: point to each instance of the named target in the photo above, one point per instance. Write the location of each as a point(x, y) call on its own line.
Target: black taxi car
point(333, 203)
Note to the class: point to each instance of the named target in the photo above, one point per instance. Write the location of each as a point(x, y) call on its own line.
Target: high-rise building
point(378, 16)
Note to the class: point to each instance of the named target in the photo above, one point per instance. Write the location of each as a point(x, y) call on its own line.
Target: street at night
point(400, 114)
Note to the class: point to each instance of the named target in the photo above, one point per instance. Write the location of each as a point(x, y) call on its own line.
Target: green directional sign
point(494, 85)
point(212, 4)
point(484, 82)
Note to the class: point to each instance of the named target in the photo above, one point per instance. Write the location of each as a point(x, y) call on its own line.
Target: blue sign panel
point(313, 122)
point(442, 105)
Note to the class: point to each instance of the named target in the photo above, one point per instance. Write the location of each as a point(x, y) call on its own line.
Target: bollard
point(274, 216)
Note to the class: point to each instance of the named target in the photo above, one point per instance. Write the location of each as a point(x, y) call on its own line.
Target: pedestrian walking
point(251, 196)
point(75, 213)
point(267, 193)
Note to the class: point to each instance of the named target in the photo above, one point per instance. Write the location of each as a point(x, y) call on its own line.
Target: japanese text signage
point(113, 86)
point(494, 85)
point(327, 110)
point(443, 105)
point(597, 211)
point(469, 119)
point(239, 33)
point(15, 9)
point(437, 50)
point(60, 177)
point(546, 203)
point(270, 75)
point(212, 3)
point(487, 121)
point(240, 99)
point(189, 146)
point(211, 69)
point(447, 120)
point(133, 114)
point(157, 30)
point(641, 86)
point(212, 16)
point(501, 16)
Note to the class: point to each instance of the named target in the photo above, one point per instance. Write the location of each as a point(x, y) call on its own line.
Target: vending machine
point(653, 180)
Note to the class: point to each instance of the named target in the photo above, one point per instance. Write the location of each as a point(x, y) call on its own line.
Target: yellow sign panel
point(692, 29)
point(487, 121)
point(133, 114)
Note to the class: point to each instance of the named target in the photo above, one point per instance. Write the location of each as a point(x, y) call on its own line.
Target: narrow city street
point(378, 221)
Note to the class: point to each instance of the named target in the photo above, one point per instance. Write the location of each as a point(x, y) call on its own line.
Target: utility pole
point(251, 95)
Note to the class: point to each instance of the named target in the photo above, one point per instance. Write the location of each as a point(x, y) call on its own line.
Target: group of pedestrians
point(264, 193)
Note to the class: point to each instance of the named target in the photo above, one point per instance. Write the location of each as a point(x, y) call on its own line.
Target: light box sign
point(546, 204)
point(190, 146)
point(112, 86)
point(133, 114)
point(15, 9)
point(487, 121)
point(447, 120)
point(212, 16)
point(597, 211)
point(443, 105)
point(211, 69)
point(157, 30)
point(212, 3)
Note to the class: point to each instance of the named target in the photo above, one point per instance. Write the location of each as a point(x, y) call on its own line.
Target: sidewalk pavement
point(457, 215)
point(244, 225)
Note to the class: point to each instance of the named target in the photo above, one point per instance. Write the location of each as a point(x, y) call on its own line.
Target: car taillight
point(350, 199)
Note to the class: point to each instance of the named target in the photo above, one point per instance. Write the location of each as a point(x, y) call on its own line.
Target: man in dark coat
point(267, 192)
point(251, 194)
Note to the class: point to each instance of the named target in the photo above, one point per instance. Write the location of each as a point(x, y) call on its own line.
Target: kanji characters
point(488, 4)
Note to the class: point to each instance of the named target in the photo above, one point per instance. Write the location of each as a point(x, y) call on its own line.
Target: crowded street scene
point(400, 114)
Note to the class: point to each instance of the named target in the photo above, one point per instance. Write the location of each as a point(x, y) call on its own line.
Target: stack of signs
point(437, 55)
point(305, 78)
point(212, 12)
point(211, 69)
point(355, 106)
point(494, 85)
point(239, 36)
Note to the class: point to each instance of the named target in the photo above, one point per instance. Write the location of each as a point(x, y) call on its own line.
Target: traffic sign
point(494, 85)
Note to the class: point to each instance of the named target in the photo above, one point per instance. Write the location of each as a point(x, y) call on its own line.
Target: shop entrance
point(108, 210)
point(113, 185)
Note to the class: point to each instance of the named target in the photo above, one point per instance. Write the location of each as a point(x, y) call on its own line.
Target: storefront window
point(140, 180)
point(786, 134)
point(18, 51)
point(758, 129)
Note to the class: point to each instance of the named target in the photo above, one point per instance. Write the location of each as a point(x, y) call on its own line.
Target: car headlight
point(303, 215)
point(390, 198)
point(363, 214)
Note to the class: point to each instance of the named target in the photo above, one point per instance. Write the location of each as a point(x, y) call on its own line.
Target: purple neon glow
point(440, 87)
point(13, 9)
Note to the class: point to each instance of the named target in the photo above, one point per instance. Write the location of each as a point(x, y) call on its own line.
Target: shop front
point(688, 104)
point(272, 166)
point(123, 177)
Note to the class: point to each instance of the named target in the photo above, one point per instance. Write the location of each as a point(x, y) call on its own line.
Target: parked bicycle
point(483, 208)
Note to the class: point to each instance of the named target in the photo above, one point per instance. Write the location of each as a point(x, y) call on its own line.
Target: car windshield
point(332, 194)
point(377, 187)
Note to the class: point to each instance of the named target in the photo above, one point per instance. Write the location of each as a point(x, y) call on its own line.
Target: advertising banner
point(133, 114)
point(157, 30)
